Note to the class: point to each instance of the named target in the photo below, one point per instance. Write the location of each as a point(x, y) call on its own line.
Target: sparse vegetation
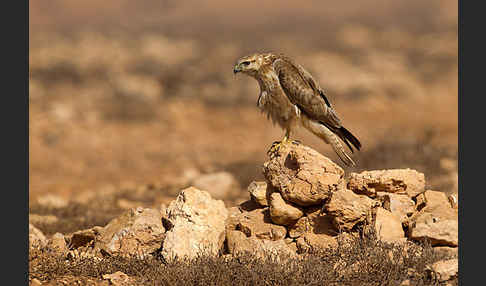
point(364, 261)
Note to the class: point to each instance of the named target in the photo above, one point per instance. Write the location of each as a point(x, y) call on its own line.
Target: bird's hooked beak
point(236, 68)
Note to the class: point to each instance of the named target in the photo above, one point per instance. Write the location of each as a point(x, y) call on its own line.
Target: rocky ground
point(305, 223)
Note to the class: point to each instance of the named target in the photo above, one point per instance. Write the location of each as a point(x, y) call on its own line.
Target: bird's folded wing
point(304, 92)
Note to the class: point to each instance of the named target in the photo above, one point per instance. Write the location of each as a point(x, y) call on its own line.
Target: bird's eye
point(246, 63)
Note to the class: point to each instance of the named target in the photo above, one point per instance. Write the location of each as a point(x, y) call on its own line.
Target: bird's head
point(250, 65)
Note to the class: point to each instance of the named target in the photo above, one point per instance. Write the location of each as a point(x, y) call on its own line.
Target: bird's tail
point(332, 137)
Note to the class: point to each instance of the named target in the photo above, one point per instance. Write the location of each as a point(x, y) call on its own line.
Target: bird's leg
point(278, 144)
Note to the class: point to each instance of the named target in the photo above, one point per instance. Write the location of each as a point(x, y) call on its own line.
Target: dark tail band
point(347, 137)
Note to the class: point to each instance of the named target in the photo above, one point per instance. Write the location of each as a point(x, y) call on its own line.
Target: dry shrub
point(361, 261)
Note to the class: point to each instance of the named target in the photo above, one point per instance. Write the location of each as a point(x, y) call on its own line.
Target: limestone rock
point(258, 193)
point(311, 241)
point(258, 223)
point(239, 243)
point(388, 227)
point(119, 279)
point(348, 208)
point(85, 237)
point(198, 225)
point(136, 232)
point(449, 251)
point(283, 213)
point(400, 205)
point(220, 185)
point(36, 237)
point(454, 200)
point(302, 175)
point(444, 270)
point(398, 181)
point(57, 243)
point(313, 222)
point(435, 220)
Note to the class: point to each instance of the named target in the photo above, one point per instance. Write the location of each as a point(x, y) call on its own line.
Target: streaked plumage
point(290, 96)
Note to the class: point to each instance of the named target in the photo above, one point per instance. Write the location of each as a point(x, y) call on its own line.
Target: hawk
point(290, 97)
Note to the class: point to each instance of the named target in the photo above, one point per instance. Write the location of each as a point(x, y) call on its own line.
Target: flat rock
point(398, 181)
point(136, 232)
point(198, 225)
point(302, 175)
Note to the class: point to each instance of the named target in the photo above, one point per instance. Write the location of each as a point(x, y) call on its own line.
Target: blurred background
point(128, 95)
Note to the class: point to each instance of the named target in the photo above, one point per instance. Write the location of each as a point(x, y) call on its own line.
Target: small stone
point(258, 193)
point(283, 213)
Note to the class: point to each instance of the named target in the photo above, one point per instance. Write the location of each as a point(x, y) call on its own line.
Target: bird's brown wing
point(305, 92)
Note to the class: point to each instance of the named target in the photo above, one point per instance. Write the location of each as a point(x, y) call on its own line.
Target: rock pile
point(305, 203)
point(307, 195)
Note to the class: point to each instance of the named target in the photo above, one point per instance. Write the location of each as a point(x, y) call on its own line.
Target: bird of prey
point(290, 96)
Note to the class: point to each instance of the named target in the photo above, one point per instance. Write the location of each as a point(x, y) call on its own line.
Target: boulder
point(349, 209)
point(259, 192)
point(388, 226)
point(36, 237)
point(258, 223)
point(220, 185)
point(283, 213)
point(302, 175)
point(198, 225)
point(398, 181)
point(136, 232)
point(434, 220)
